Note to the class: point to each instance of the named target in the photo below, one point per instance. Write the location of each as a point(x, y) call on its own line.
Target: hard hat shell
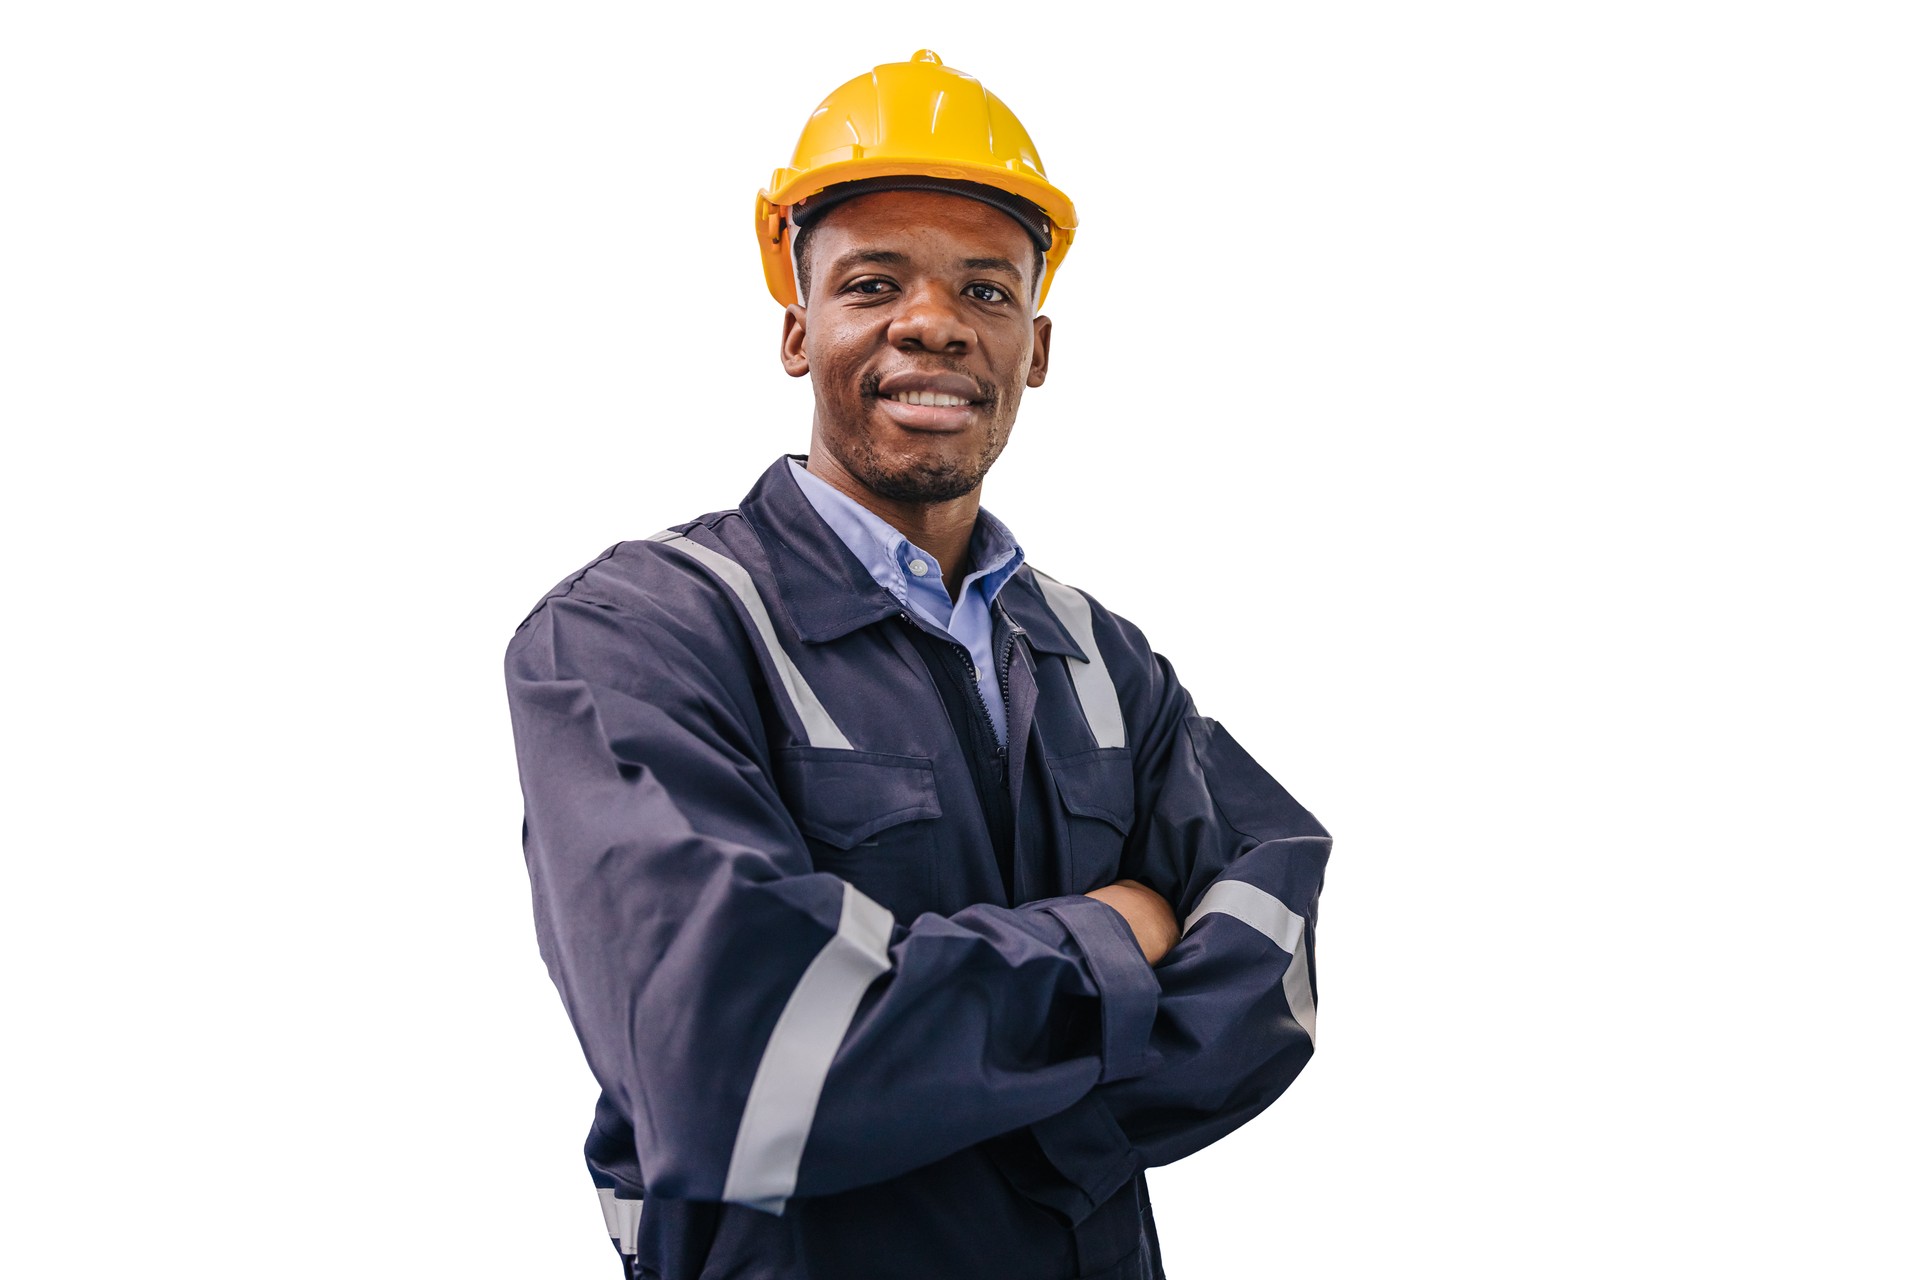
point(917, 118)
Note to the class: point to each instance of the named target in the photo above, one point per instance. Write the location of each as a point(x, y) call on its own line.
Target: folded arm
point(770, 1030)
point(1240, 862)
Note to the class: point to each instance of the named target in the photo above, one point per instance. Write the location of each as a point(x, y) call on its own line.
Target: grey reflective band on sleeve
point(1099, 700)
point(1254, 906)
point(786, 1087)
point(623, 1220)
point(818, 726)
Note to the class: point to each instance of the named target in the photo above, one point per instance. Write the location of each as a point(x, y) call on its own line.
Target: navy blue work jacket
point(836, 1036)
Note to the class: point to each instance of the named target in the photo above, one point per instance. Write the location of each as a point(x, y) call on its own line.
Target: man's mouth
point(939, 398)
point(929, 400)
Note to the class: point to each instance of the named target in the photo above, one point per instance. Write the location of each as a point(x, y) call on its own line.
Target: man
point(904, 905)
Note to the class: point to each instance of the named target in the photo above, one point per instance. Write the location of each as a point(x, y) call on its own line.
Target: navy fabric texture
point(999, 1088)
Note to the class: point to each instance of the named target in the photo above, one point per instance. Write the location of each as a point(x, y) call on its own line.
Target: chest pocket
point(1096, 790)
point(864, 816)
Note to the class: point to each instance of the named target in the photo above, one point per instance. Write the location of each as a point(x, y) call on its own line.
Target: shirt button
point(918, 568)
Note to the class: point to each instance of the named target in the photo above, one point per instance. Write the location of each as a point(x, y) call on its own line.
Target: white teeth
point(939, 398)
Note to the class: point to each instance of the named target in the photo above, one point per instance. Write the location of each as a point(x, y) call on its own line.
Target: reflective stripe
point(818, 726)
point(786, 1087)
point(623, 1220)
point(1255, 906)
point(1099, 700)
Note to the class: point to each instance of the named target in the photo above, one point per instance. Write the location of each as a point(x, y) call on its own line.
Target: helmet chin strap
point(793, 255)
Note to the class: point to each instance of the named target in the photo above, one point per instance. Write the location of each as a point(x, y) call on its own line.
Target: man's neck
point(942, 528)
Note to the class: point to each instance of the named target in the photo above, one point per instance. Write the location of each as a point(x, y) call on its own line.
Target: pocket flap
point(842, 797)
point(1097, 784)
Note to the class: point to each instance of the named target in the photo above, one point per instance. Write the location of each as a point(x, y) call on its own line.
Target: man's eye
point(869, 286)
point(988, 292)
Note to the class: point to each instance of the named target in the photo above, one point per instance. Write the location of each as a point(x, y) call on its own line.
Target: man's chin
point(917, 468)
point(924, 483)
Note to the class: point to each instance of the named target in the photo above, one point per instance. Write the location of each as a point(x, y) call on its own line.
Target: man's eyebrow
point(996, 264)
point(874, 257)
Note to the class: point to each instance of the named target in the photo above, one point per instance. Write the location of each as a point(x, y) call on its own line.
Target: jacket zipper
point(979, 698)
point(1014, 632)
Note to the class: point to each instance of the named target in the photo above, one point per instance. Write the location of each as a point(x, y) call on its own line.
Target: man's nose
point(931, 320)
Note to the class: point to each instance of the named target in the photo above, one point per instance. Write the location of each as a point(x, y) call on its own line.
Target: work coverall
point(823, 939)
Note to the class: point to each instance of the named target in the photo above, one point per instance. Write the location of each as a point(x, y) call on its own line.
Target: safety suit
point(824, 942)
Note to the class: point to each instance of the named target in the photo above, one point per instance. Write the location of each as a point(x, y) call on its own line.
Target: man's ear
point(1042, 342)
point(793, 341)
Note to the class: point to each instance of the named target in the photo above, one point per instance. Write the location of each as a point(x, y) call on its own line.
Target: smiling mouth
point(939, 389)
point(938, 399)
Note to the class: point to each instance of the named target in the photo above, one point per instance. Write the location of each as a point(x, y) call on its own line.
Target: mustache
point(983, 394)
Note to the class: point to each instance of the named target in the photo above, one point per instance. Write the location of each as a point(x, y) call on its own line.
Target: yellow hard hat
point(905, 120)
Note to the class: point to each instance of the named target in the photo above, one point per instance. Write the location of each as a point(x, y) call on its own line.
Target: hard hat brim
point(1028, 214)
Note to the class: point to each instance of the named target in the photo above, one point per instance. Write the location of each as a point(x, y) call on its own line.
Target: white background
point(1500, 413)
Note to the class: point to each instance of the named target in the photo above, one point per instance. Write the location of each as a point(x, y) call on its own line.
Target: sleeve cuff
point(1089, 1148)
point(1129, 991)
point(1072, 1163)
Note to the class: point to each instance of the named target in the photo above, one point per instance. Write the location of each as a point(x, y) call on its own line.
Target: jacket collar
point(1025, 604)
point(828, 593)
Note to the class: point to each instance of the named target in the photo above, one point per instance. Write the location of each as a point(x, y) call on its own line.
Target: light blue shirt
point(914, 578)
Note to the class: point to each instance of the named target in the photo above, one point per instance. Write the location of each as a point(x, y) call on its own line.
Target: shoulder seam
point(565, 589)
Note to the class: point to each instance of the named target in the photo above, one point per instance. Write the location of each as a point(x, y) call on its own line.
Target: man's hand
point(1146, 913)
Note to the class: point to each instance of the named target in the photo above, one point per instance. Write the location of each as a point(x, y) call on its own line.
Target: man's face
point(917, 297)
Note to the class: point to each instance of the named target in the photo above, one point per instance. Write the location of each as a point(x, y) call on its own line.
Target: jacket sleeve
point(770, 1030)
point(1241, 863)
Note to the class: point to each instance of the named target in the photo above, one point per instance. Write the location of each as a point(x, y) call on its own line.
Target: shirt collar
point(887, 553)
point(823, 591)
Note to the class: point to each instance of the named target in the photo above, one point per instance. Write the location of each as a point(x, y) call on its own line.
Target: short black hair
point(803, 261)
